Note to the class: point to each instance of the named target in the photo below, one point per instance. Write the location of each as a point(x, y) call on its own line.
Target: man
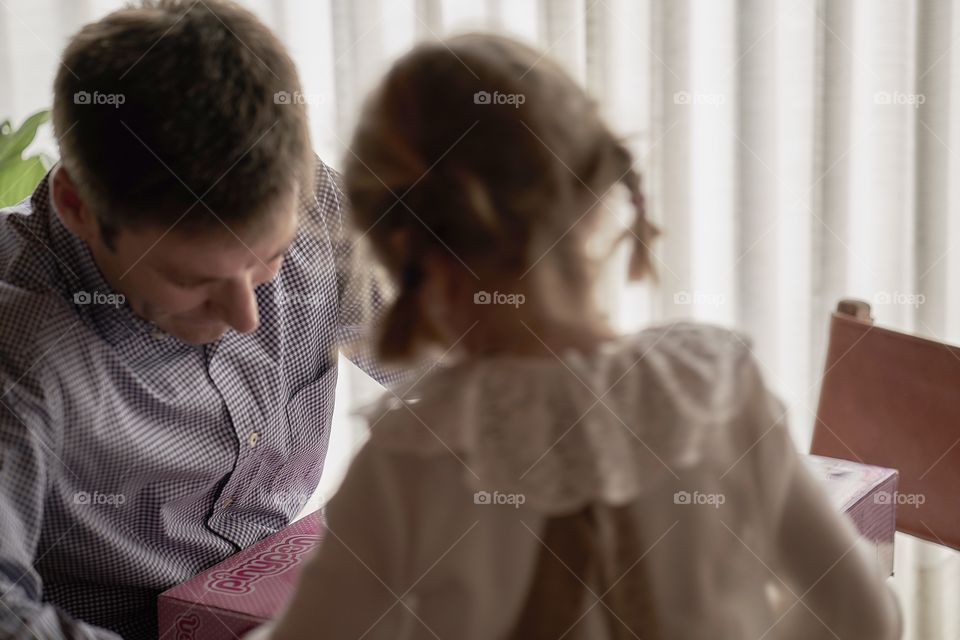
point(172, 299)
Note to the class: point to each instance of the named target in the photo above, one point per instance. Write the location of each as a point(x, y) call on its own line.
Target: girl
point(550, 478)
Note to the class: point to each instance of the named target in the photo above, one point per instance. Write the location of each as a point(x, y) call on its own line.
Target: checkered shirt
point(130, 461)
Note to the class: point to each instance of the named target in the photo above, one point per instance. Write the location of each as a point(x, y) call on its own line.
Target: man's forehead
point(220, 245)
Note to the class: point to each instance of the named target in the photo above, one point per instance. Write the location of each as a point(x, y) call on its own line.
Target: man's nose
point(238, 306)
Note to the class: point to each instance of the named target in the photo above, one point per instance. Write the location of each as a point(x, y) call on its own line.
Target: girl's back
point(556, 480)
point(648, 489)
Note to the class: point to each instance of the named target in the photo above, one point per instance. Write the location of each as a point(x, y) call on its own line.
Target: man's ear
point(70, 207)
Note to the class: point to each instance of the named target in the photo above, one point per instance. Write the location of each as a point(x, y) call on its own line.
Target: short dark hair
point(162, 103)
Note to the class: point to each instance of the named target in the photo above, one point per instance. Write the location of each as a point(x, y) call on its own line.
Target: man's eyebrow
point(198, 280)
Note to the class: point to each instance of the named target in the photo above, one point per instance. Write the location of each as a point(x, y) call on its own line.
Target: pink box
point(868, 495)
point(251, 587)
point(243, 591)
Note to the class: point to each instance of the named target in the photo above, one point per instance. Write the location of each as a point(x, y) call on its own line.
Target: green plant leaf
point(13, 145)
point(18, 179)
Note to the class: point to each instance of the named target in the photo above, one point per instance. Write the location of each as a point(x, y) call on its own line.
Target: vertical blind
point(793, 152)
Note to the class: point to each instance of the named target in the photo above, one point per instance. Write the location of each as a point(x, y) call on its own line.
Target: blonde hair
point(480, 146)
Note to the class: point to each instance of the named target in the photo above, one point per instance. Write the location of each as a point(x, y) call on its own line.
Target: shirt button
point(158, 334)
point(253, 439)
point(227, 503)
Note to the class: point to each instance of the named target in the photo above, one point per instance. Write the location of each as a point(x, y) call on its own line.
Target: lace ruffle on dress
point(564, 431)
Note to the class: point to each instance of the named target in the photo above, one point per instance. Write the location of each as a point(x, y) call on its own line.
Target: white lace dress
point(436, 530)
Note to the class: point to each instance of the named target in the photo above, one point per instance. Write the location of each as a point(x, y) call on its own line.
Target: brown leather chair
point(892, 399)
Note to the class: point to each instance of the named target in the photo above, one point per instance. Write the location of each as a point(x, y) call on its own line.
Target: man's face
point(196, 286)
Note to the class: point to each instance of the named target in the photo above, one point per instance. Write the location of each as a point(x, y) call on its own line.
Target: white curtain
point(794, 152)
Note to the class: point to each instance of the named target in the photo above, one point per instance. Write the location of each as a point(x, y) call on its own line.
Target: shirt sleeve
point(362, 292)
point(26, 457)
point(830, 586)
